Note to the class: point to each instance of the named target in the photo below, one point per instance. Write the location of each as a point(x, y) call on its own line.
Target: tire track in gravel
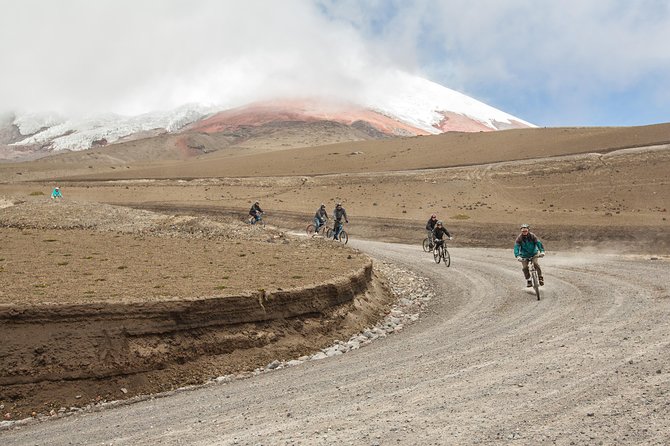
point(486, 364)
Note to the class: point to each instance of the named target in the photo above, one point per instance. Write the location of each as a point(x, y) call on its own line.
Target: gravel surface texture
point(484, 363)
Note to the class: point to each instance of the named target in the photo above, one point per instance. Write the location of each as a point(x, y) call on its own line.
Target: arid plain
point(131, 230)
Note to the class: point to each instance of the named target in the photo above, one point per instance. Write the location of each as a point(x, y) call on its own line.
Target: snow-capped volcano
point(399, 104)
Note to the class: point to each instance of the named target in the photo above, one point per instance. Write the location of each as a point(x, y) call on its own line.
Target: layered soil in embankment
point(102, 303)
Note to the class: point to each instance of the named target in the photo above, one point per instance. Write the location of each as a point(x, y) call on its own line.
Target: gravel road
point(485, 364)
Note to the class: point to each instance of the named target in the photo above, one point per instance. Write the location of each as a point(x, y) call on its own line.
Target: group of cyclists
point(437, 233)
point(321, 217)
point(527, 246)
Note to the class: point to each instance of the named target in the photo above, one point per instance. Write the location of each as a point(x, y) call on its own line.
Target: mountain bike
point(535, 280)
point(252, 220)
point(441, 253)
point(343, 238)
point(323, 229)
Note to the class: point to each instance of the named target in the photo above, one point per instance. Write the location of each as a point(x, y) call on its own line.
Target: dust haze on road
point(486, 364)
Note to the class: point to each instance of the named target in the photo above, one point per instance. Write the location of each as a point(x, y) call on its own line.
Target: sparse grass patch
point(62, 263)
point(100, 280)
point(40, 285)
point(50, 240)
point(122, 267)
point(460, 217)
point(36, 193)
point(220, 287)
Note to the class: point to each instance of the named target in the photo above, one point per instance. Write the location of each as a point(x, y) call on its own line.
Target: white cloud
point(523, 56)
point(128, 56)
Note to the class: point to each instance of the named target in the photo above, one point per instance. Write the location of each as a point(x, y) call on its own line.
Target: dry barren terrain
point(166, 241)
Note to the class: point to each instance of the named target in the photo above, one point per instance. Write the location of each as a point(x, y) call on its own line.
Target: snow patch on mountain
point(79, 134)
point(31, 123)
point(422, 103)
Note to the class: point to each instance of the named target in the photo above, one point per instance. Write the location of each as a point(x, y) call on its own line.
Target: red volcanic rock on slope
point(262, 113)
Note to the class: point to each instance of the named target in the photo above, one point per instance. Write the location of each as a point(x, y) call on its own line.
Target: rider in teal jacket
point(526, 247)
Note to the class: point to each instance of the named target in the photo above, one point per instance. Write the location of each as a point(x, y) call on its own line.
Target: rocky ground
point(585, 365)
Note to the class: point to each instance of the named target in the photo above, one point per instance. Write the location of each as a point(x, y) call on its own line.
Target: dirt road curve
point(486, 364)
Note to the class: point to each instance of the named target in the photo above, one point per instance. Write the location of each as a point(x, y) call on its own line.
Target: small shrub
point(460, 217)
point(62, 263)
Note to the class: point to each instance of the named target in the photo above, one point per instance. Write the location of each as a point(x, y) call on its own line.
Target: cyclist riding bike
point(338, 214)
point(440, 233)
point(320, 218)
point(56, 193)
point(527, 247)
point(255, 213)
point(432, 221)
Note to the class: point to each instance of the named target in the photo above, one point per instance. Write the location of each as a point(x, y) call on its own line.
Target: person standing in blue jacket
point(527, 248)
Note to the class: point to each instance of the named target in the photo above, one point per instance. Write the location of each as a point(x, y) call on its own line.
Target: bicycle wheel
point(344, 237)
point(446, 257)
point(310, 230)
point(426, 245)
point(329, 233)
point(536, 283)
point(437, 255)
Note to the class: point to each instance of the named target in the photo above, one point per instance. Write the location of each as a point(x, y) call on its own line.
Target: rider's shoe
point(529, 283)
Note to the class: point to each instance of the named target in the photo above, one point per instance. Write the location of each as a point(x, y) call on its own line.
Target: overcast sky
point(553, 63)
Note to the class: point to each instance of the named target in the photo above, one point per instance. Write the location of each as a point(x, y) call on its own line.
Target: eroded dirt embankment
point(53, 343)
point(67, 343)
point(71, 355)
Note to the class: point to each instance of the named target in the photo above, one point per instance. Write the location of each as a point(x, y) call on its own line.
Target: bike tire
point(446, 257)
point(426, 245)
point(310, 230)
point(329, 233)
point(437, 256)
point(344, 237)
point(536, 283)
